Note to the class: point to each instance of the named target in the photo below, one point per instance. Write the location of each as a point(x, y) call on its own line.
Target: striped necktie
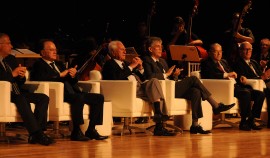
point(160, 66)
point(53, 67)
point(15, 87)
point(251, 66)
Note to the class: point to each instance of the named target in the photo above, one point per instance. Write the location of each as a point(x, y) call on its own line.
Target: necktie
point(15, 87)
point(53, 66)
point(220, 67)
point(160, 66)
point(251, 66)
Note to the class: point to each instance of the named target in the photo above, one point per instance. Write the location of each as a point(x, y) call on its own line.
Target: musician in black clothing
point(234, 36)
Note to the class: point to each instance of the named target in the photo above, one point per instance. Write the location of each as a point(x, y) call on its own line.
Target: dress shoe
point(78, 136)
point(244, 127)
point(163, 132)
point(141, 120)
point(252, 124)
point(158, 118)
point(95, 135)
point(255, 127)
point(222, 107)
point(198, 129)
point(41, 138)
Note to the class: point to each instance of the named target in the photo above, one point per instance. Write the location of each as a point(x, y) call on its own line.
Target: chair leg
point(56, 132)
point(127, 127)
point(175, 128)
point(3, 136)
point(8, 139)
point(224, 121)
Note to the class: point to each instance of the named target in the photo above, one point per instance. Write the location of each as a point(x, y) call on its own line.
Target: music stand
point(130, 54)
point(184, 53)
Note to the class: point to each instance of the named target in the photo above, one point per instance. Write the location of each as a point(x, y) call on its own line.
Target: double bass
point(202, 52)
point(89, 65)
point(234, 43)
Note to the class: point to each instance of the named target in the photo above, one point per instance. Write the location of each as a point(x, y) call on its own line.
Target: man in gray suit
point(189, 88)
point(118, 69)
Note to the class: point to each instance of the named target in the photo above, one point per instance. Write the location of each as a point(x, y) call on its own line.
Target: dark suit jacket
point(41, 71)
point(243, 69)
point(210, 70)
point(4, 76)
point(112, 71)
point(151, 69)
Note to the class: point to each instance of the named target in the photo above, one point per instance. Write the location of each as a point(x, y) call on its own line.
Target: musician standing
point(235, 35)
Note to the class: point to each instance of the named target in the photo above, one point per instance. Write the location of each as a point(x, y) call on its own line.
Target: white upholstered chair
point(180, 109)
point(125, 104)
point(226, 96)
point(8, 110)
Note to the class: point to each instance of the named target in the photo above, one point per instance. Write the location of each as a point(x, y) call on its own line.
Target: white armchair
point(60, 110)
point(122, 94)
point(8, 110)
point(226, 95)
point(181, 109)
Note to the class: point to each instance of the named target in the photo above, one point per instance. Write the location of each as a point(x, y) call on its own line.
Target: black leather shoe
point(198, 129)
point(158, 118)
point(222, 107)
point(95, 135)
point(78, 136)
point(163, 132)
point(255, 127)
point(40, 138)
point(244, 127)
point(141, 120)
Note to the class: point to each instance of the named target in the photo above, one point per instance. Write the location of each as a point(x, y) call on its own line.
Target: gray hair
point(112, 46)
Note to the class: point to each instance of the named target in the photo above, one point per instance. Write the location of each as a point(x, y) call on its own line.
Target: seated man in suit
point(35, 122)
point(189, 88)
point(49, 69)
point(251, 69)
point(214, 67)
point(118, 69)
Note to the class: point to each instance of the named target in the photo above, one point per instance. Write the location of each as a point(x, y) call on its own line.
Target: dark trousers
point(77, 101)
point(191, 88)
point(33, 121)
point(245, 96)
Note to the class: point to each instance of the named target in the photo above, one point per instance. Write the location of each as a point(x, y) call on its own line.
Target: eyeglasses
point(51, 49)
point(247, 49)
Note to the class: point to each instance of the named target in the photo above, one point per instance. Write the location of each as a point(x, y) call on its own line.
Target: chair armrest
point(89, 86)
point(222, 90)
point(254, 83)
point(5, 92)
point(56, 94)
point(37, 87)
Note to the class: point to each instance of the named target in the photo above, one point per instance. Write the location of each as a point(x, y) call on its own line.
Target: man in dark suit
point(251, 69)
point(214, 67)
point(118, 69)
point(189, 88)
point(35, 122)
point(49, 69)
